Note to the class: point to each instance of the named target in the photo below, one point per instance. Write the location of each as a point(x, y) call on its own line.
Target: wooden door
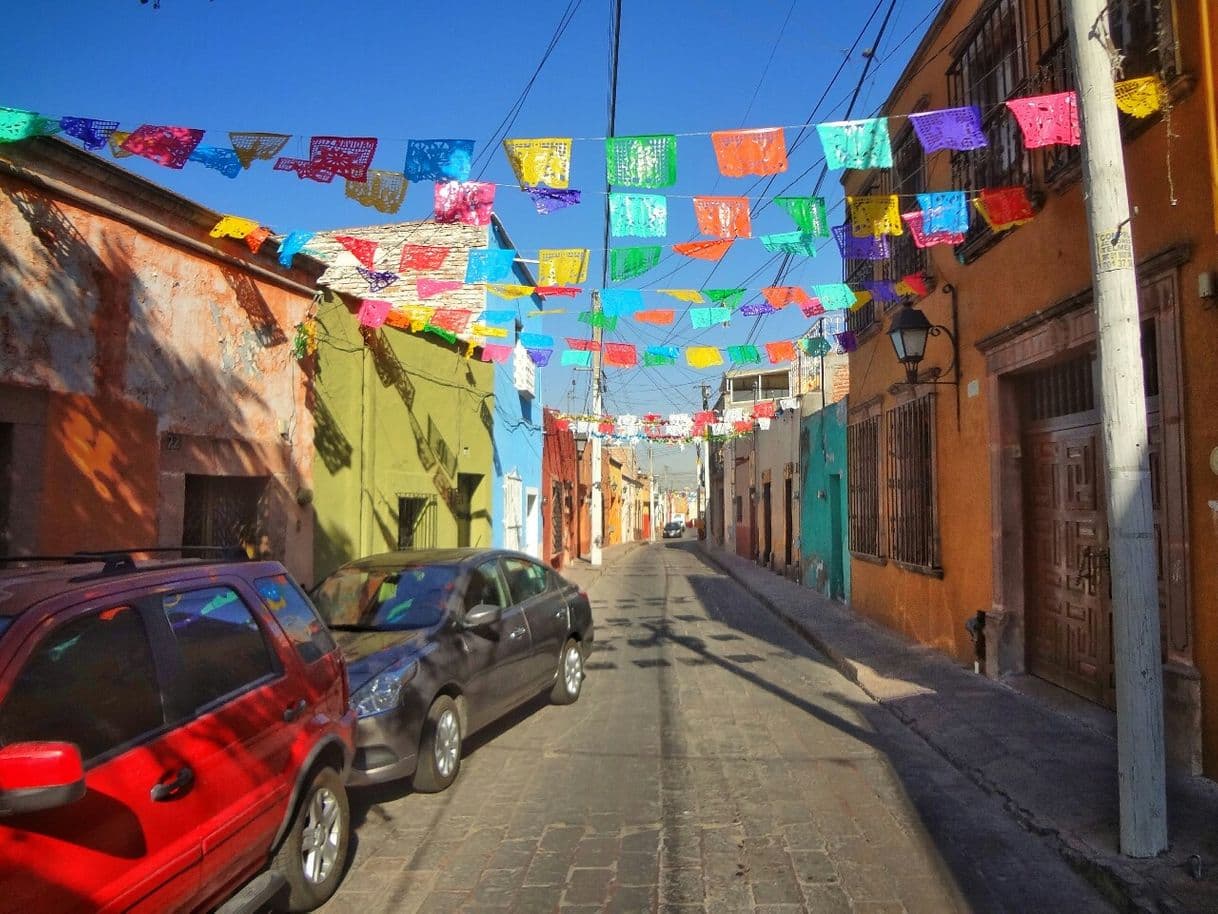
point(1068, 601)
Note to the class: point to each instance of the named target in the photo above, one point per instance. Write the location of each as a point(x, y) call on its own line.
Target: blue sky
point(399, 70)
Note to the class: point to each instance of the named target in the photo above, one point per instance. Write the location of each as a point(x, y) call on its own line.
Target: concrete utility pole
point(706, 466)
point(1132, 561)
point(651, 490)
point(598, 515)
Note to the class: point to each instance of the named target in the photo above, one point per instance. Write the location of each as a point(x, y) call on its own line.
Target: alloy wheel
point(572, 670)
point(322, 835)
point(447, 744)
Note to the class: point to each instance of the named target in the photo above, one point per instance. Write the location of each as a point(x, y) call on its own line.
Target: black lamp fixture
point(581, 442)
point(909, 331)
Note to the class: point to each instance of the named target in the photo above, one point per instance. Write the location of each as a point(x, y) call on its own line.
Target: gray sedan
point(439, 643)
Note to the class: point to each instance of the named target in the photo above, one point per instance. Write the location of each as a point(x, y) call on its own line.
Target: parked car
point(674, 528)
point(174, 735)
point(441, 642)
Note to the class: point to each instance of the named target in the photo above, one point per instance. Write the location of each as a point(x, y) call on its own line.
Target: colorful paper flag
point(536, 340)
point(489, 264)
point(218, 158)
point(750, 152)
point(422, 257)
point(641, 161)
point(292, 245)
point(882, 290)
point(944, 212)
point(496, 352)
point(484, 330)
point(621, 355)
point(499, 316)
point(1141, 97)
point(232, 227)
point(583, 345)
point(439, 160)
point(703, 356)
point(621, 302)
point(541, 357)
point(808, 213)
point(363, 249)
point(545, 160)
point(168, 146)
point(815, 346)
point(812, 308)
point(16, 124)
point(701, 318)
point(852, 247)
point(1005, 207)
point(629, 263)
point(765, 409)
point(744, 355)
point(861, 297)
point(925, 239)
point(454, 320)
point(847, 340)
point(660, 355)
point(758, 309)
point(1047, 120)
point(728, 298)
point(348, 156)
point(913, 284)
point(790, 243)
point(949, 128)
point(576, 359)
point(834, 296)
point(638, 215)
point(875, 215)
point(856, 144)
point(598, 319)
point(547, 200)
point(776, 352)
point(723, 217)
point(257, 146)
point(781, 296)
point(686, 295)
point(384, 191)
point(117, 138)
point(703, 250)
point(659, 316)
point(509, 291)
point(429, 288)
point(92, 132)
point(376, 279)
point(372, 313)
point(558, 291)
point(562, 266)
point(468, 202)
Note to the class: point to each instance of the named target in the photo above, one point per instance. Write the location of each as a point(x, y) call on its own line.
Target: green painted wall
point(824, 532)
point(384, 414)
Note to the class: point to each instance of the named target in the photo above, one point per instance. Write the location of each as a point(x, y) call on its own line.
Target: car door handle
point(171, 790)
point(559, 613)
point(293, 711)
point(518, 633)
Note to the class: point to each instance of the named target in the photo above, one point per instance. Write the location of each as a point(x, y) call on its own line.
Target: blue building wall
point(824, 533)
point(516, 430)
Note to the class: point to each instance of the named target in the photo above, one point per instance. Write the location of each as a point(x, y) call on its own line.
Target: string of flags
point(678, 428)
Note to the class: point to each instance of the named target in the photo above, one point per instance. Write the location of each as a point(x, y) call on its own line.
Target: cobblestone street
point(714, 762)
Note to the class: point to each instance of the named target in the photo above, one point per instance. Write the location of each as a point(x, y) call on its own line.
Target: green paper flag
point(443, 334)
point(652, 359)
point(641, 161)
point(790, 243)
point(808, 213)
point(16, 124)
point(599, 319)
point(627, 263)
point(729, 298)
point(744, 355)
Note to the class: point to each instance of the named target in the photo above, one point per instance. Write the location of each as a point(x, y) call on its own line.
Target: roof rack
point(116, 561)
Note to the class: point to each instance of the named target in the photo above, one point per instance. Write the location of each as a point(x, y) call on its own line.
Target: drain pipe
point(976, 630)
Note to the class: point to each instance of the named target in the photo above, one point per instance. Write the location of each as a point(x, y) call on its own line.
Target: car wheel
point(314, 852)
point(440, 747)
point(570, 677)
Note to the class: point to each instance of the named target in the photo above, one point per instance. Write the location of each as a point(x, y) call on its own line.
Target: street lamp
point(909, 330)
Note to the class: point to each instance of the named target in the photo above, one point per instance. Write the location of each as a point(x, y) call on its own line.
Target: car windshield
point(385, 598)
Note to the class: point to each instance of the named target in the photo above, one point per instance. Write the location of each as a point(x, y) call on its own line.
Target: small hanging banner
point(292, 245)
point(687, 295)
point(808, 214)
point(660, 355)
point(629, 263)
point(834, 296)
point(454, 320)
point(439, 160)
point(882, 290)
point(255, 239)
point(723, 217)
point(781, 296)
point(499, 316)
point(1004, 208)
point(790, 243)
point(489, 264)
point(583, 345)
point(536, 340)
point(878, 215)
point(168, 146)
point(562, 266)
point(641, 161)
point(925, 239)
point(852, 247)
point(547, 201)
point(856, 144)
point(638, 215)
point(468, 202)
point(913, 284)
point(701, 318)
point(260, 146)
point(496, 352)
point(847, 340)
point(91, 132)
point(363, 249)
point(348, 156)
point(861, 297)
point(557, 291)
point(621, 302)
point(541, 357)
point(217, 158)
point(509, 292)
point(372, 313)
point(1139, 97)
point(430, 288)
point(233, 227)
point(422, 257)
point(944, 212)
point(703, 250)
point(384, 191)
point(621, 355)
point(729, 298)
point(949, 128)
point(117, 138)
point(703, 356)
point(815, 346)
point(812, 308)
point(758, 309)
point(780, 351)
point(576, 359)
point(16, 124)
point(376, 280)
point(750, 152)
point(545, 160)
point(744, 355)
point(659, 316)
point(598, 319)
point(1047, 120)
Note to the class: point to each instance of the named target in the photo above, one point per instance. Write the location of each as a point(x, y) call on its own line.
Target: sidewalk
point(1056, 775)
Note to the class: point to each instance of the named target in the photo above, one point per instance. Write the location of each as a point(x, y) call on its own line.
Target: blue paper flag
point(577, 358)
point(536, 340)
point(757, 309)
point(944, 212)
point(540, 357)
point(489, 264)
point(621, 302)
point(292, 245)
point(91, 131)
point(504, 316)
point(439, 160)
point(218, 158)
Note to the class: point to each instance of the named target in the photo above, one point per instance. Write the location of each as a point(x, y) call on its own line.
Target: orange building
point(989, 495)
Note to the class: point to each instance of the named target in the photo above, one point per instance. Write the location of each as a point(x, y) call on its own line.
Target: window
point(863, 459)
point(296, 616)
point(416, 521)
point(988, 71)
point(223, 649)
point(906, 179)
point(390, 598)
point(485, 587)
point(913, 525)
point(525, 580)
point(91, 682)
point(225, 511)
point(739, 509)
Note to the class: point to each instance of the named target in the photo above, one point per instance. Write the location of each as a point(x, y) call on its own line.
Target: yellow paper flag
point(540, 161)
point(703, 356)
point(860, 299)
point(689, 295)
point(117, 138)
point(544, 311)
point(879, 215)
point(509, 292)
point(484, 330)
point(233, 227)
point(562, 266)
point(1142, 96)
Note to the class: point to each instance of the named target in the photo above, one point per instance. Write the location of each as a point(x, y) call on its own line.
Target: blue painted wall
point(824, 532)
point(517, 427)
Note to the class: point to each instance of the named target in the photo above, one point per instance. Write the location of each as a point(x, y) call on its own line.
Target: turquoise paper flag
point(660, 355)
point(744, 355)
point(708, 317)
point(505, 316)
point(638, 215)
point(834, 296)
point(16, 124)
point(577, 358)
point(489, 264)
point(536, 340)
point(790, 243)
point(292, 245)
point(856, 144)
point(808, 214)
point(621, 302)
point(944, 212)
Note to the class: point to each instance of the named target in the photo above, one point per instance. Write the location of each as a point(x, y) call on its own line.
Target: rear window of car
point(386, 598)
point(296, 616)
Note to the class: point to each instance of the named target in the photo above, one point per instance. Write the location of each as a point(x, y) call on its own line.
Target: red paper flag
point(750, 152)
point(454, 320)
point(364, 250)
point(621, 355)
point(812, 308)
point(705, 416)
point(168, 146)
point(1047, 119)
point(255, 238)
point(764, 410)
point(916, 283)
point(655, 316)
point(558, 291)
point(583, 345)
point(1004, 207)
point(562, 425)
point(723, 217)
point(703, 250)
point(782, 351)
point(348, 156)
point(781, 296)
point(429, 287)
point(421, 257)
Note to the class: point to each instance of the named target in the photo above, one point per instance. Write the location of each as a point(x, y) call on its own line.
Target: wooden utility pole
point(1132, 560)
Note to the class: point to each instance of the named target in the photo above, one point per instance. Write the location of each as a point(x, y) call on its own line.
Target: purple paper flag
point(949, 128)
point(540, 357)
point(92, 132)
point(377, 280)
point(757, 309)
point(882, 290)
point(872, 247)
point(548, 200)
point(847, 340)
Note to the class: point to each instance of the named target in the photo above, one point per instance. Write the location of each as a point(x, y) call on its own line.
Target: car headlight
point(383, 692)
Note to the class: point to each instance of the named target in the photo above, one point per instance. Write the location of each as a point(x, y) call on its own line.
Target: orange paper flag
point(703, 250)
point(781, 296)
point(781, 351)
point(750, 152)
point(655, 316)
point(723, 217)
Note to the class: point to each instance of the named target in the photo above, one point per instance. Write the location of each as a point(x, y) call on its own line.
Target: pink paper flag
point(495, 352)
point(1047, 119)
point(372, 313)
point(924, 239)
point(168, 146)
point(469, 202)
point(429, 287)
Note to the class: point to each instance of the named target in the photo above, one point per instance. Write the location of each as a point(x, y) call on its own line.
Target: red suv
point(173, 736)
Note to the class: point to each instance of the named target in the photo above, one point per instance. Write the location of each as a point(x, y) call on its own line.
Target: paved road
point(714, 763)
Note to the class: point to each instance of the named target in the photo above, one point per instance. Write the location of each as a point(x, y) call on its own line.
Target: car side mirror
point(482, 614)
point(36, 776)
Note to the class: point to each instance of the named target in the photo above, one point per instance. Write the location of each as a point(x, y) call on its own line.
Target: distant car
point(674, 528)
point(173, 736)
point(439, 643)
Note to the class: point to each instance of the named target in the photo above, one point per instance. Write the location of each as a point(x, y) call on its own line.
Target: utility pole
point(706, 465)
point(598, 516)
point(1132, 568)
point(651, 490)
